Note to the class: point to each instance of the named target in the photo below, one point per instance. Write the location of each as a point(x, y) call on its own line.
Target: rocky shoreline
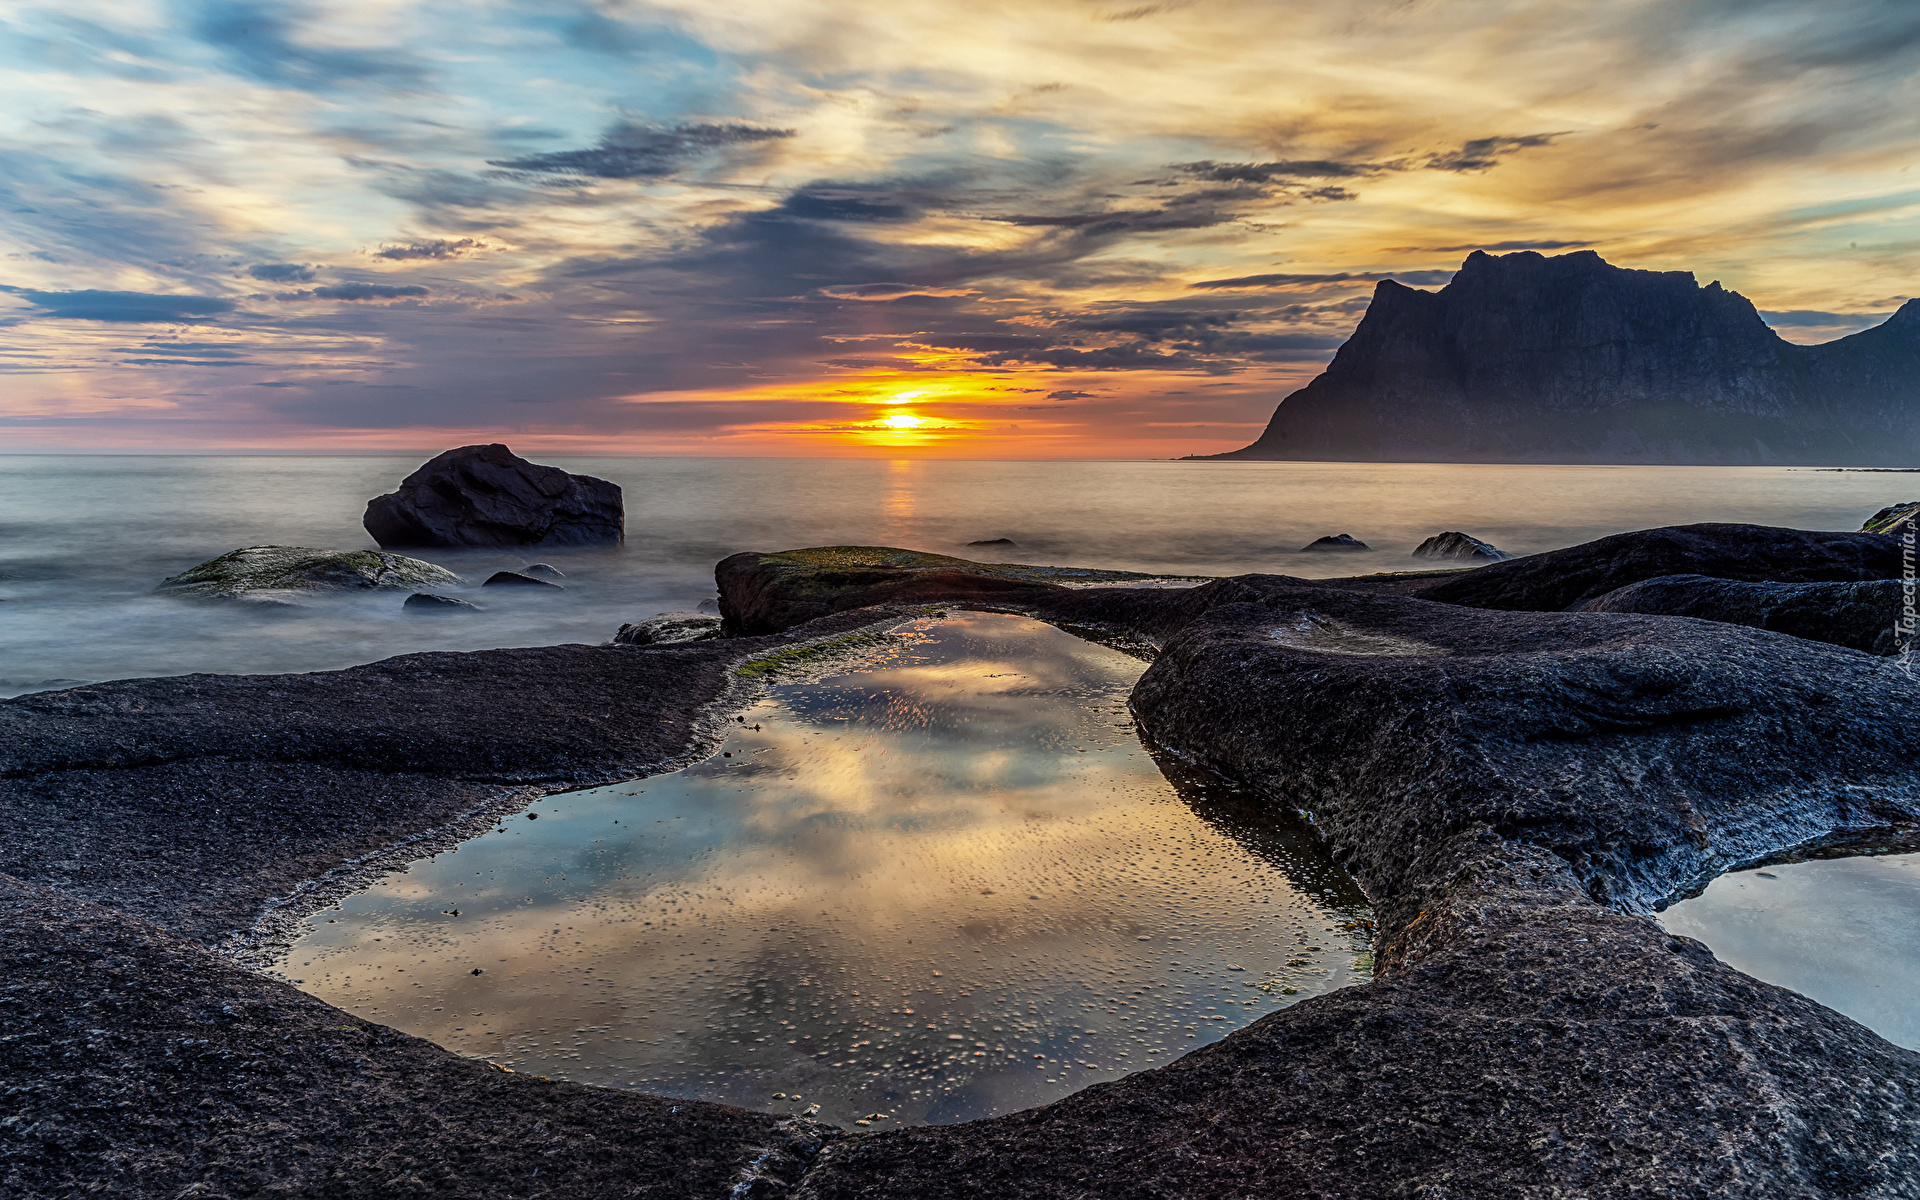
point(1514, 785)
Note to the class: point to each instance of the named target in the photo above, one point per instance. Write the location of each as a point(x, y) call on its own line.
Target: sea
point(85, 539)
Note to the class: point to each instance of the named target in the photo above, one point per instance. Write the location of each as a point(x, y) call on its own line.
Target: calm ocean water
point(83, 539)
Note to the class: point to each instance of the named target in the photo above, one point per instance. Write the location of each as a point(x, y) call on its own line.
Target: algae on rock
point(287, 576)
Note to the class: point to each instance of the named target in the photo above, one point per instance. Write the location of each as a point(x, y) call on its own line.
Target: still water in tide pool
point(1843, 931)
point(946, 881)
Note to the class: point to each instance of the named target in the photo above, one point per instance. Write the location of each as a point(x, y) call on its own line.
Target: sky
point(899, 228)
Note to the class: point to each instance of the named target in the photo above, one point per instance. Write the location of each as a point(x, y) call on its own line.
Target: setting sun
point(903, 421)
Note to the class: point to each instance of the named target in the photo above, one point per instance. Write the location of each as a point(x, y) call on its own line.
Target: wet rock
point(668, 627)
point(1556, 580)
point(542, 571)
point(1896, 519)
point(488, 496)
point(127, 1045)
point(429, 604)
point(765, 593)
point(1339, 541)
point(1861, 616)
point(517, 580)
point(1459, 547)
point(995, 542)
point(292, 576)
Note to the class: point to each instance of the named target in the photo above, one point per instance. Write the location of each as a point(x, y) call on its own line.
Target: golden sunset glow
point(903, 421)
point(1078, 228)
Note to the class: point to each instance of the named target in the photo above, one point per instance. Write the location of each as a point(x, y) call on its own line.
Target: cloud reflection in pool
point(946, 882)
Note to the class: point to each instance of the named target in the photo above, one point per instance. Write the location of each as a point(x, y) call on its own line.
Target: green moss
point(779, 660)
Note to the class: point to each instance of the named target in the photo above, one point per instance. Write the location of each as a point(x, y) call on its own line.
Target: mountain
point(1525, 358)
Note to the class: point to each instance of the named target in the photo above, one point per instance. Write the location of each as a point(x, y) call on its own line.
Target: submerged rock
point(1460, 547)
point(1860, 616)
point(995, 542)
point(488, 496)
point(669, 627)
point(292, 576)
point(1896, 519)
point(543, 571)
point(1562, 579)
point(516, 579)
point(1339, 541)
point(428, 604)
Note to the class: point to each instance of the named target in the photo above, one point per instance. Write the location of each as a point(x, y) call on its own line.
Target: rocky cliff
point(1569, 359)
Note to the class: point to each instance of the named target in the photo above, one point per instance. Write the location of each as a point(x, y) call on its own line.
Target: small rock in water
point(995, 542)
point(429, 604)
point(1339, 541)
point(288, 576)
point(1459, 547)
point(516, 579)
point(668, 627)
point(543, 571)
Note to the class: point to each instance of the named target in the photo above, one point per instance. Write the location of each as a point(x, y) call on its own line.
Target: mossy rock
point(766, 593)
point(288, 576)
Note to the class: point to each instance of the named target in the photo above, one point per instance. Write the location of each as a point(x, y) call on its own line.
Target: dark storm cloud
point(632, 151)
point(261, 41)
point(92, 305)
point(1413, 278)
point(436, 249)
point(282, 272)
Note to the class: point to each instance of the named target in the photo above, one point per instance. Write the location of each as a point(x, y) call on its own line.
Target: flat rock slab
point(195, 800)
point(765, 593)
point(138, 1064)
point(1556, 580)
point(1860, 616)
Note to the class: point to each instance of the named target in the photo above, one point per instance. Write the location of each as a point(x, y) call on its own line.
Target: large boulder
point(490, 497)
point(1556, 580)
point(1860, 616)
point(293, 576)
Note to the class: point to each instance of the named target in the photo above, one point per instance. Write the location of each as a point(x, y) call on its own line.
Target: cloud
point(1801, 316)
point(1069, 394)
point(91, 305)
point(438, 248)
point(262, 41)
point(1296, 168)
point(282, 272)
point(1481, 154)
point(891, 291)
point(356, 291)
point(632, 151)
point(827, 206)
point(1491, 247)
point(1413, 278)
